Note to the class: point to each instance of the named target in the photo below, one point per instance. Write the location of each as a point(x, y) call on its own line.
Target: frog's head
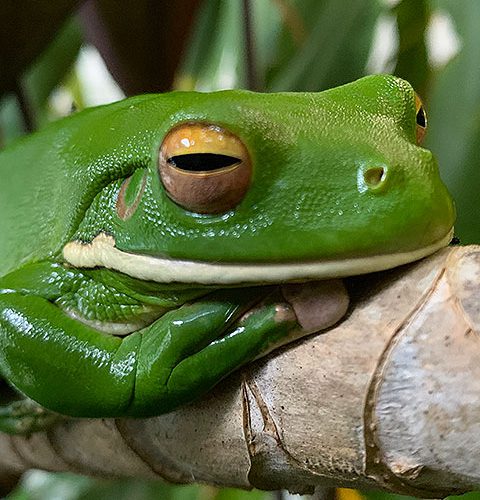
point(241, 187)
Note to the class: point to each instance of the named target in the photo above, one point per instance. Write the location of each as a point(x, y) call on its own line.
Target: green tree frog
point(150, 247)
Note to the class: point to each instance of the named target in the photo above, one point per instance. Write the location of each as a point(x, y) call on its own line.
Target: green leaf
point(27, 28)
point(37, 83)
point(412, 61)
point(335, 46)
point(383, 495)
point(234, 494)
point(39, 485)
point(50, 68)
point(11, 120)
point(216, 54)
point(454, 119)
point(297, 45)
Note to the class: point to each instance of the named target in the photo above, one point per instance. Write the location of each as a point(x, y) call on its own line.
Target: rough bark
point(389, 398)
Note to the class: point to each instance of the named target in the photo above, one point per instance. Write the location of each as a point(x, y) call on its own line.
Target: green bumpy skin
point(84, 340)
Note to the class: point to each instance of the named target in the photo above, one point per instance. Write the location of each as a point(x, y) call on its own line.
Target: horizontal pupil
point(202, 162)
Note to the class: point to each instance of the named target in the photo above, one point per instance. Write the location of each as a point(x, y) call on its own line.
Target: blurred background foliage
point(59, 57)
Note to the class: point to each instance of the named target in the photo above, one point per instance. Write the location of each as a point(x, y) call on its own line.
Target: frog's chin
point(101, 252)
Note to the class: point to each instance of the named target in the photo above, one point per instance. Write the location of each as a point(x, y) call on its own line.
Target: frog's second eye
point(421, 118)
point(204, 168)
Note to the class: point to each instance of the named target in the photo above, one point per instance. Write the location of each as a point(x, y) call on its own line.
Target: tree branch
point(389, 398)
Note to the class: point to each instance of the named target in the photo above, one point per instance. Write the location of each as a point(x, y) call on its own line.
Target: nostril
point(374, 176)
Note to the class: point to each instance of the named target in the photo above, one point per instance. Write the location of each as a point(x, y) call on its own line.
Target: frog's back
point(49, 179)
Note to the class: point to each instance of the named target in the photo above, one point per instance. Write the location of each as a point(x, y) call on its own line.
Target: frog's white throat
point(101, 252)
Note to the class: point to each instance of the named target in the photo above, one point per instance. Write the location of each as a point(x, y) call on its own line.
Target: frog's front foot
point(25, 417)
point(53, 349)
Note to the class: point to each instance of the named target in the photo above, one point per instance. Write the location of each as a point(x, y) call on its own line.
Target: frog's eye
point(421, 118)
point(204, 168)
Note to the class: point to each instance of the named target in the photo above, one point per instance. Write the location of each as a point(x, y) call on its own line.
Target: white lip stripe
point(102, 252)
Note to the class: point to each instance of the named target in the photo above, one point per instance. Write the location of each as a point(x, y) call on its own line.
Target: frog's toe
point(317, 304)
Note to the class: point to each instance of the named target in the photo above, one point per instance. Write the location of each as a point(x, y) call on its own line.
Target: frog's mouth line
point(101, 252)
